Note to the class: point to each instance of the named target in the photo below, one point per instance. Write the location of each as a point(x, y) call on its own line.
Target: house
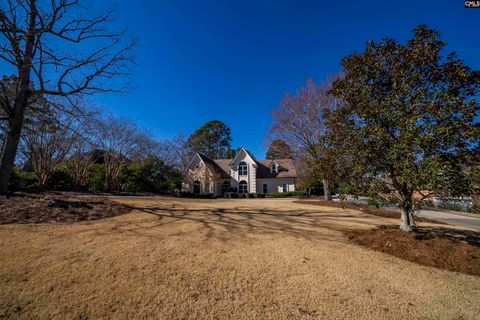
point(242, 174)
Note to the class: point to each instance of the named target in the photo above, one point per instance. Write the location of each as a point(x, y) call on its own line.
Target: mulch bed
point(57, 207)
point(448, 249)
point(381, 212)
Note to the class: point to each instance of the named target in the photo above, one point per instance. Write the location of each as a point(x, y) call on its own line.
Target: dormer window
point(273, 168)
point(242, 168)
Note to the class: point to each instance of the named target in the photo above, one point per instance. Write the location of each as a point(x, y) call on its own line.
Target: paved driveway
point(452, 219)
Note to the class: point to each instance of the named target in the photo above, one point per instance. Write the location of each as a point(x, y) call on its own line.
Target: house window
point(196, 186)
point(273, 168)
point(242, 168)
point(265, 188)
point(243, 187)
point(285, 187)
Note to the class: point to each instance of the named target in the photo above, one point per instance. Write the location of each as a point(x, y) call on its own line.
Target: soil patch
point(448, 249)
point(380, 212)
point(57, 207)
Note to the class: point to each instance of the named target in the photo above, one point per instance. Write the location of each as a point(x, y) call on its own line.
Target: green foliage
point(96, 177)
point(212, 140)
point(150, 175)
point(60, 180)
point(409, 117)
point(230, 195)
point(344, 189)
point(286, 194)
point(279, 149)
point(21, 180)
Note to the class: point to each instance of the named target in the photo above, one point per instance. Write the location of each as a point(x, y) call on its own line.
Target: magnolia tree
point(57, 48)
point(409, 119)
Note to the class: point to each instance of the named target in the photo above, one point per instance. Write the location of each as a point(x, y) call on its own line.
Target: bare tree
point(81, 156)
point(175, 152)
point(46, 142)
point(57, 48)
point(80, 162)
point(120, 140)
point(299, 121)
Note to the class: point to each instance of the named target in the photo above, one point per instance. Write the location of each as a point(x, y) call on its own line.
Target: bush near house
point(286, 194)
point(230, 195)
point(234, 195)
point(185, 194)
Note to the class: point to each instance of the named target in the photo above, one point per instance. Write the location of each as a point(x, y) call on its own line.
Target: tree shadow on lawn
point(298, 223)
point(226, 223)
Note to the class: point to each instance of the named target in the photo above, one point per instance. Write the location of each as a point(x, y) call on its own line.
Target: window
point(285, 187)
point(196, 186)
point(243, 187)
point(242, 169)
point(273, 168)
point(265, 188)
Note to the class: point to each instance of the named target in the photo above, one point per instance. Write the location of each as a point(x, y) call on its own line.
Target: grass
point(222, 259)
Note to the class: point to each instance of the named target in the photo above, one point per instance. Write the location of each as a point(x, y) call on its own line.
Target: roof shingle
point(286, 168)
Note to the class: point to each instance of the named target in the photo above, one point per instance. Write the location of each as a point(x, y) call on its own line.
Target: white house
point(242, 173)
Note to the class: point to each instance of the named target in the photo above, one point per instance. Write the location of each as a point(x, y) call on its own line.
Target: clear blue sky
point(233, 60)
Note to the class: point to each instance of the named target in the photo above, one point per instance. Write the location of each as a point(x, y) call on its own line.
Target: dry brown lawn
point(219, 259)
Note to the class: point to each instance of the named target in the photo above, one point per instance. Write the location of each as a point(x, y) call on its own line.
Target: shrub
point(258, 195)
point(22, 180)
point(96, 177)
point(286, 194)
point(150, 175)
point(60, 180)
point(184, 194)
point(230, 195)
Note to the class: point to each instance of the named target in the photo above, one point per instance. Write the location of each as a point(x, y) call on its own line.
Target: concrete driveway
point(452, 219)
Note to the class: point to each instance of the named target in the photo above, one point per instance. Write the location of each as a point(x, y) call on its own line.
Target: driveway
point(219, 259)
point(451, 218)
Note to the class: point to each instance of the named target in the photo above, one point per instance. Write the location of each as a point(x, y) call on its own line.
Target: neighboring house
point(242, 174)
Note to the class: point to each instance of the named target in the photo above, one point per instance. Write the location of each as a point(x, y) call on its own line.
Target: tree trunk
point(9, 150)
point(407, 220)
point(327, 189)
point(476, 203)
point(16, 114)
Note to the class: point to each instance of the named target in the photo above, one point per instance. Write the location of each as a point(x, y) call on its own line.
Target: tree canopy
point(213, 140)
point(279, 149)
point(409, 119)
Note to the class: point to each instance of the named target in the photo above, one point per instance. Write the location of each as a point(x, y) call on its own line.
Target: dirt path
point(204, 259)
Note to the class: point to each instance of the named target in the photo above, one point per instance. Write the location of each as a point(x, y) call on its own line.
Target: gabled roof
point(246, 152)
point(286, 169)
point(215, 167)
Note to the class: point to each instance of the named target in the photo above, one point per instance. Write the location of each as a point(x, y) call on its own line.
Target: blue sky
point(233, 60)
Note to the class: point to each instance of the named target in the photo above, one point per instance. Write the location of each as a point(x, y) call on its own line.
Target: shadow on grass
point(234, 222)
